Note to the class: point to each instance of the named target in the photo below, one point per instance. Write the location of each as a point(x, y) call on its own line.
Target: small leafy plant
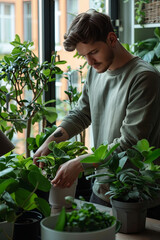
point(19, 181)
point(60, 153)
point(132, 174)
point(87, 218)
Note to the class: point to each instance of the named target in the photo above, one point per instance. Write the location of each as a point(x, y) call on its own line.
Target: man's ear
point(111, 39)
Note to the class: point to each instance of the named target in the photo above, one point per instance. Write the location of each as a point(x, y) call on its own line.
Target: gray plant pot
point(131, 215)
point(48, 232)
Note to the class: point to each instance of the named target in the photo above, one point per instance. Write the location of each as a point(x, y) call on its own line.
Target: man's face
point(98, 54)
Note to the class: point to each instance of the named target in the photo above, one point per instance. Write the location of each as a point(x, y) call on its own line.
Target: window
point(57, 26)
point(27, 21)
point(72, 10)
point(7, 27)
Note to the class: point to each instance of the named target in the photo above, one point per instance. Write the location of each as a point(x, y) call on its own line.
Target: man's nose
point(90, 60)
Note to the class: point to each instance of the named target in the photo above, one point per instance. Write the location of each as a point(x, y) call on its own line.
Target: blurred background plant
point(21, 75)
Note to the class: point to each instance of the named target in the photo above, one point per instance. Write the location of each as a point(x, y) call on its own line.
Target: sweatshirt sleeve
point(79, 118)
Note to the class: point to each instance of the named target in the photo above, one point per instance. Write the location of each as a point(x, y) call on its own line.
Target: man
point(121, 96)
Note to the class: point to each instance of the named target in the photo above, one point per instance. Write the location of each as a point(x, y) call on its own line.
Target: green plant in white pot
point(19, 181)
point(83, 222)
point(60, 153)
point(133, 181)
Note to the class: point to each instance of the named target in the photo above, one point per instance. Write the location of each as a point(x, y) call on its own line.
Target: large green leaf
point(39, 181)
point(148, 57)
point(25, 199)
point(43, 206)
point(6, 183)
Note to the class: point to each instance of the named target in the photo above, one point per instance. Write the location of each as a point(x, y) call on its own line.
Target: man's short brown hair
point(90, 26)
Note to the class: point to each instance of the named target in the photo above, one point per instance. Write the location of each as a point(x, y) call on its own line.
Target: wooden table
point(152, 231)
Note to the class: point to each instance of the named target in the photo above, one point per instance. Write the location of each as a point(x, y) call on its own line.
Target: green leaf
point(6, 171)
point(112, 150)
point(148, 57)
point(46, 72)
point(6, 183)
point(157, 50)
point(39, 181)
point(43, 206)
point(153, 156)
point(13, 108)
point(60, 62)
point(90, 159)
point(135, 157)
point(48, 102)
point(61, 220)
point(17, 38)
point(51, 116)
point(142, 145)
point(25, 199)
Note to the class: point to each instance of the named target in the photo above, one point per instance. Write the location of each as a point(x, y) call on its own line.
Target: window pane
point(72, 10)
point(18, 17)
point(27, 21)
point(7, 27)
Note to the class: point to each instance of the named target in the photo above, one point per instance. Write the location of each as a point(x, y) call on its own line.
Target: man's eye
point(94, 52)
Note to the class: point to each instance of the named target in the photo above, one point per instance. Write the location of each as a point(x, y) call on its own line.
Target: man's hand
point(68, 173)
point(59, 135)
point(42, 151)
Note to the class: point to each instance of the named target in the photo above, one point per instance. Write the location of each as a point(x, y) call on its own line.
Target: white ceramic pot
point(6, 230)
point(48, 232)
point(57, 195)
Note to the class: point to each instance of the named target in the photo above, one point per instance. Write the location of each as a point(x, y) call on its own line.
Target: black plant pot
point(27, 226)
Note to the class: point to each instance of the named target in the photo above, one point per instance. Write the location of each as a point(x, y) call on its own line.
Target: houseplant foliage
point(19, 180)
point(148, 49)
point(139, 10)
point(132, 175)
point(133, 180)
point(35, 142)
point(87, 218)
point(61, 153)
point(21, 73)
point(84, 221)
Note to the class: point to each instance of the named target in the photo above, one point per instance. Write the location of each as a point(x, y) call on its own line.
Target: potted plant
point(60, 153)
point(21, 74)
point(147, 49)
point(19, 181)
point(85, 222)
point(133, 184)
